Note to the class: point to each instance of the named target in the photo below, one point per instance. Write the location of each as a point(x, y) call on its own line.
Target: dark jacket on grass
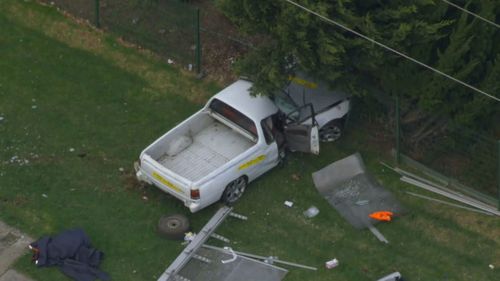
point(71, 251)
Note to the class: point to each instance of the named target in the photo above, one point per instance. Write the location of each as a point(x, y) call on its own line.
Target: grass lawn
point(78, 106)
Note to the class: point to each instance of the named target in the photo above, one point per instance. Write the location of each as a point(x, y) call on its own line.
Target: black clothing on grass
point(72, 252)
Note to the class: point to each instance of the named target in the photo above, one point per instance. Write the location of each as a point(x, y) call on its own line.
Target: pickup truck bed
point(213, 146)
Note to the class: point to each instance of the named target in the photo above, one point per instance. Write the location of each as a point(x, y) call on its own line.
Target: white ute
point(215, 153)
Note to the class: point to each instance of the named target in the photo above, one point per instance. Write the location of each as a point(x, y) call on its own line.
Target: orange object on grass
point(382, 215)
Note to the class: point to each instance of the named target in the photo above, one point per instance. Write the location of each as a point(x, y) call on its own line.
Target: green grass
point(109, 102)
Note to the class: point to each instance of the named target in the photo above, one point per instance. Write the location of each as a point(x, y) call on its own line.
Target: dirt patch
point(131, 183)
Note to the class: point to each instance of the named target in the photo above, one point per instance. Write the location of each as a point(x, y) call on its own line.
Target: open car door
point(302, 137)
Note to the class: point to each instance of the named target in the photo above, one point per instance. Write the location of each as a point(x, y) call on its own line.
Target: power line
point(392, 50)
point(471, 13)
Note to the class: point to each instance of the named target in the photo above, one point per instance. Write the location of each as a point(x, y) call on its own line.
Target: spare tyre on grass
point(173, 226)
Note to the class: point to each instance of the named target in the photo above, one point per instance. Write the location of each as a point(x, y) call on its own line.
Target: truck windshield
point(286, 104)
point(234, 116)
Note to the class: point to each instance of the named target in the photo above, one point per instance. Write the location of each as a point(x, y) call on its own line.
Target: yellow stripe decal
point(166, 182)
point(252, 162)
point(303, 82)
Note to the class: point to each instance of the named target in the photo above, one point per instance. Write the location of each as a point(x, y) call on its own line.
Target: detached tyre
point(173, 226)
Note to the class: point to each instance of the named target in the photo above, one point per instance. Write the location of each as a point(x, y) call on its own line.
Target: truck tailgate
point(165, 179)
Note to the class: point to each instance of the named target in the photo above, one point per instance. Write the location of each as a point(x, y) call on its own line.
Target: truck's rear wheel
point(173, 226)
point(234, 190)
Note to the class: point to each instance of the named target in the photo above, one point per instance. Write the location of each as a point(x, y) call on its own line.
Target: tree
point(427, 30)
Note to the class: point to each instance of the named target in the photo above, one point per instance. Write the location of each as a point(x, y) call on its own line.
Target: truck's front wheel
point(331, 131)
point(234, 190)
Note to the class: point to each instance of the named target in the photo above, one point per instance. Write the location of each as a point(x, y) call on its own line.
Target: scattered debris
point(381, 215)
point(289, 204)
point(170, 61)
point(220, 237)
point(232, 259)
point(362, 202)
point(202, 259)
point(71, 150)
point(145, 198)
point(238, 216)
point(195, 261)
point(34, 107)
point(1, 118)
point(355, 193)
point(395, 276)
point(121, 169)
point(377, 234)
point(45, 195)
point(452, 195)
point(444, 185)
point(311, 212)
point(275, 259)
point(189, 236)
point(331, 264)
point(492, 266)
point(271, 259)
point(448, 203)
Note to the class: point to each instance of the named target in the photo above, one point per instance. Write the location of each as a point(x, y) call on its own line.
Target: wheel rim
point(330, 133)
point(173, 224)
point(235, 190)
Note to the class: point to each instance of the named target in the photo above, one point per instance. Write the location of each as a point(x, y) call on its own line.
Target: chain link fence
point(465, 159)
point(456, 156)
point(191, 34)
point(460, 157)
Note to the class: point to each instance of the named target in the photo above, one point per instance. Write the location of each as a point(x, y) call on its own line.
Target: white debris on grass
point(71, 149)
point(45, 195)
point(1, 118)
point(121, 169)
point(18, 160)
point(34, 107)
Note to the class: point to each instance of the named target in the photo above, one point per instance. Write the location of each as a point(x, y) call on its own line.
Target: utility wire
point(473, 14)
point(392, 50)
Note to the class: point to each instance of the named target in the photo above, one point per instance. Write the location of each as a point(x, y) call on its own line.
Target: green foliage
point(430, 31)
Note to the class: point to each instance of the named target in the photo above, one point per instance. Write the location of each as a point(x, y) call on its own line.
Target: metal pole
point(260, 257)
point(195, 244)
point(398, 133)
point(198, 42)
point(97, 18)
point(498, 173)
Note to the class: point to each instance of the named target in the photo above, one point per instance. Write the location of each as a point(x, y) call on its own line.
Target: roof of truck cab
point(238, 96)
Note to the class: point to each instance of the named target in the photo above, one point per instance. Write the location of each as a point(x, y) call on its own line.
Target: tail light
point(195, 194)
